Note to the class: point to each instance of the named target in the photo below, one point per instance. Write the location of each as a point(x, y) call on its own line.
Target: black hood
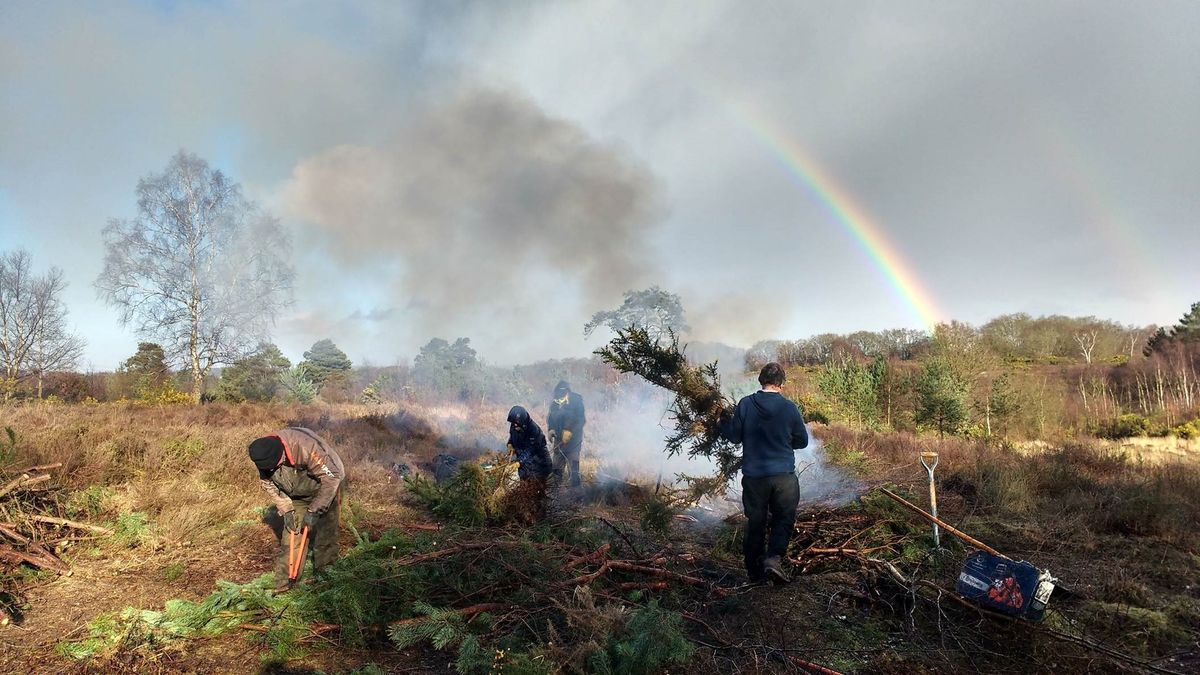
point(518, 415)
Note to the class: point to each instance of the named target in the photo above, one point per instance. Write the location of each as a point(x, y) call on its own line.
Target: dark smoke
point(491, 217)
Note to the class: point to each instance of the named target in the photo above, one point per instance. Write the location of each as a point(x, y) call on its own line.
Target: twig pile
point(29, 538)
point(699, 404)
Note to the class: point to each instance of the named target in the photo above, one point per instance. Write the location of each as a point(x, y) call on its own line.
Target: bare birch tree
point(1086, 339)
point(199, 269)
point(34, 336)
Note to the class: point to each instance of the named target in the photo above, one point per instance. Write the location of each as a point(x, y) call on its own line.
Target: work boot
point(775, 571)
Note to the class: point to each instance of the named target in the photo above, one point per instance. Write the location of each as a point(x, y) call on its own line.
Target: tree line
point(200, 273)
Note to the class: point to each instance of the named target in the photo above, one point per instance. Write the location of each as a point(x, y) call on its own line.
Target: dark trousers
point(770, 503)
point(568, 458)
point(322, 543)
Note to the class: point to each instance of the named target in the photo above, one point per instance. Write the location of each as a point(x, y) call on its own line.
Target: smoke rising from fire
point(489, 215)
point(628, 440)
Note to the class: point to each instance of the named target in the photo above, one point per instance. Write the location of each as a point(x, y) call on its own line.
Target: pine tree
point(325, 359)
point(1186, 331)
point(941, 398)
point(255, 378)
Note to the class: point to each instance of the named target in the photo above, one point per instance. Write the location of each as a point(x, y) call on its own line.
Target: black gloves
point(291, 521)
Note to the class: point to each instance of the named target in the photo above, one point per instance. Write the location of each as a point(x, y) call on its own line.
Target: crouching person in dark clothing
point(770, 428)
point(527, 444)
point(303, 475)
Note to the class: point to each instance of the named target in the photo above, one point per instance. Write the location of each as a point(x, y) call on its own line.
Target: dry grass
point(1096, 485)
point(186, 469)
point(1077, 508)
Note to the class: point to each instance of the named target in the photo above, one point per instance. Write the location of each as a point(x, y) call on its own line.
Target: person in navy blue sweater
point(770, 429)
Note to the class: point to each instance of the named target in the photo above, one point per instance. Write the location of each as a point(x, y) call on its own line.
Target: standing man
point(303, 475)
point(565, 425)
point(770, 428)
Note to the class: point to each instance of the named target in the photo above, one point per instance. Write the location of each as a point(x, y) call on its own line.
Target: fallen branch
point(318, 629)
point(42, 467)
point(972, 541)
point(1075, 639)
point(9, 530)
point(467, 613)
point(45, 560)
point(621, 534)
point(666, 574)
point(644, 586)
point(70, 523)
point(593, 557)
point(23, 482)
point(443, 552)
point(809, 666)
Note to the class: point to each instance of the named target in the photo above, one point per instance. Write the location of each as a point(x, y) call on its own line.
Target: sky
point(503, 170)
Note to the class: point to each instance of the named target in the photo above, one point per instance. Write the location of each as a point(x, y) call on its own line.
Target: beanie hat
point(265, 452)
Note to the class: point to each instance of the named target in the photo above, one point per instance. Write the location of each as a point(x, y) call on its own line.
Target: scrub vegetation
point(134, 535)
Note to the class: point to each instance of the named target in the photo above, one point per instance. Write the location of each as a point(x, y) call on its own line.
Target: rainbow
point(840, 204)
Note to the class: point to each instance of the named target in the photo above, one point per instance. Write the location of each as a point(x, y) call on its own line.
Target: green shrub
point(174, 571)
point(845, 455)
point(1187, 430)
point(89, 503)
point(131, 528)
point(652, 639)
point(1125, 426)
point(657, 513)
point(1138, 628)
point(8, 449)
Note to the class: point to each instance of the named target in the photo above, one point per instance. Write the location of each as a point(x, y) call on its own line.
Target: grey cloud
point(1022, 156)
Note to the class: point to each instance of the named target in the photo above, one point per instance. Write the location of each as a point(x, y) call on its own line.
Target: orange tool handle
point(296, 557)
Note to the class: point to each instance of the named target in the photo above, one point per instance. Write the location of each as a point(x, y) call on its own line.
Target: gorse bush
point(1187, 430)
point(1125, 426)
point(657, 513)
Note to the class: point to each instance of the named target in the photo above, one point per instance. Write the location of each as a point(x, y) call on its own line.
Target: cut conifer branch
point(698, 406)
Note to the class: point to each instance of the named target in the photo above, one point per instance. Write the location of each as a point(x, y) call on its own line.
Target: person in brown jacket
point(303, 475)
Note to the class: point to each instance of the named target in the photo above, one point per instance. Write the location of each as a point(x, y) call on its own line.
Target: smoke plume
point(498, 220)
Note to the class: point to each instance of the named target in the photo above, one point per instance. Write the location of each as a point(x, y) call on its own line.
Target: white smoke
point(629, 442)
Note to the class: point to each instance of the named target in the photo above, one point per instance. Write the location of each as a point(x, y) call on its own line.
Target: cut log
point(593, 557)
point(42, 467)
